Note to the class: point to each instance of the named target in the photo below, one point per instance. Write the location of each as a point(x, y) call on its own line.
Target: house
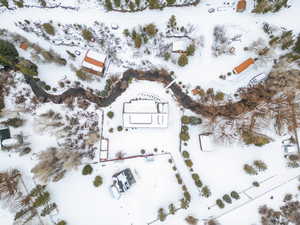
point(179, 46)
point(24, 46)
point(243, 66)
point(241, 6)
point(145, 113)
point(94, 62)
point(122, 181)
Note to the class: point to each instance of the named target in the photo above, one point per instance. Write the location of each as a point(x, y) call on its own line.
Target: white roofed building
point(145, 113)
point(94, 62)
point(179, 46)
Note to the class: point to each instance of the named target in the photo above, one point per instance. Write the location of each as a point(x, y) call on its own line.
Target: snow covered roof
point(124, 180)
point(94, 61)
point(179, 46)
point(145, 113)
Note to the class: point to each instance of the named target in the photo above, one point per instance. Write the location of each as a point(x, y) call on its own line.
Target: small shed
point(241, 6)
point(24, 46)
point(243, 66)
point(94, 62)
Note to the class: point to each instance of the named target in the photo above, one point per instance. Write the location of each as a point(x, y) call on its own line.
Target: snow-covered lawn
point(81, 203)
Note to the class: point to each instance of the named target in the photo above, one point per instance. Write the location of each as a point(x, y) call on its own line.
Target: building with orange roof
point(94, 62)
point(241, 6)
point(243, 66)
point(24, 46)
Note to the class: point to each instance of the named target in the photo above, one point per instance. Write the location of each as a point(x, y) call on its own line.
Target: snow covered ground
point(221, 168)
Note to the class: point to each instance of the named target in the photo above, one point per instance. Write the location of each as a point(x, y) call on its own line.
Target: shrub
point(235, 195)
point(137, 41)
point(227, 198)
point(185, 119)
point(185, 128)
point(183, 60)
point(62, 222)
point(87, 35)
point(195, 120)
point(260, 165)
point(4, 3)
point(151, 29)
point(14, 122)
point(188, 163)
point(172, 209)
point(98, 181)
point(184, 136)
point(82, 75)
point(198, 183)
point(179, 180)
point(162, 215)
point(191, 50)
point(219, 96)
point(110, 114)
point(205, 192)
point(119, 128)
point(42, 199)
point(255, 184)
point(20, 3)
point(87, 169)
point(184, 204)
point(174, 168)
point(250, 169)
point(117, 3)
point(297, 45)
point(220, 203)
point(27, 67)
point(49, 28)
point(111, 130)
point(108, 5)
point(187, 196)
point(191, 220)
point(185, 154)
point(143, 151)
point(8, 53)
point(167, 56)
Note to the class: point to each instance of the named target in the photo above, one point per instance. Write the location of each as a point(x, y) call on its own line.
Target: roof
point(243, 66)
point(94, 61)
point(124, 180)
point(4, 134)
point(24, 45)
point(145, 113)
point(179, 45)
point(241, 5)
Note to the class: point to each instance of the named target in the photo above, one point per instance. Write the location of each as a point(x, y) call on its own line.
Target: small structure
point(94, 62)
point(289, 146)
point(24, 46)
point(241, 6)
point(104, 150)
point(179, 46)
point(122, 181)
point(145, 113)
point(4, 135)
point(243, 66)
point(197, 91)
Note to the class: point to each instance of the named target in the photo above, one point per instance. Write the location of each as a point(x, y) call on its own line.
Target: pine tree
point(205, 192)
point(117, 3)
point(183, 60)
point(172, 22)
point(184, 204)
point(8, 53)
point(250, 169)
point(172, 209)
point(162, 215)
point(191, 50)
point(108, 5)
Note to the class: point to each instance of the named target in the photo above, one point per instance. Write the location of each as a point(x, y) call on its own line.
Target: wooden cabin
point(243, 66)
point(94, 62)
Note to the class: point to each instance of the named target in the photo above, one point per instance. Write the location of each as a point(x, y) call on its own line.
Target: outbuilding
point(94, 62)
point(241, 6)
point(243, 66)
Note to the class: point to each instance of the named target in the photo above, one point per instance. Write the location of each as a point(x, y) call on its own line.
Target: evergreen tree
point(117, 3)
point(172, 22)
point(183, 60)
point(184, 203)
point(162, 215)
point(131, 6)
point(108, 5)
point(170, 2)
point(297, 45)
point(250, 169)
point(4, 3)
point(153, 4)
point(151, 29)
point(205, 192)
point(8, 53)
point(191, 50)
point(172, 209)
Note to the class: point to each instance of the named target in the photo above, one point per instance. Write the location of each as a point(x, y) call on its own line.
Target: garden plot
point(82, 203)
